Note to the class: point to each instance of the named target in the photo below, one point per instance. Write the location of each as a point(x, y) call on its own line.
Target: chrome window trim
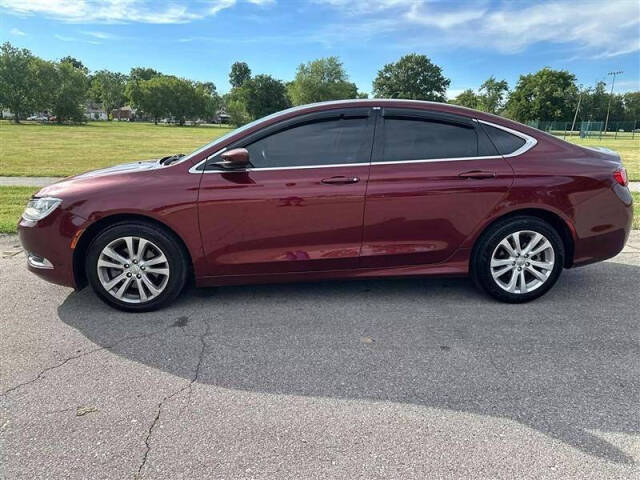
point(529, 143)
point(194, 168)
point(334, 165)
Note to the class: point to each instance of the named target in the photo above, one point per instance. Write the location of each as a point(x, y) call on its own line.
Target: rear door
point(434, 177)
point(299, 206)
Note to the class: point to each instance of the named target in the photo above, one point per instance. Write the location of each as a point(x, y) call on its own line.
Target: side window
point(323, 142)
point(417, 139)
point(505, 142)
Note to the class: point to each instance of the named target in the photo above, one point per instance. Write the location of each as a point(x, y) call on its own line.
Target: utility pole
point(576, 115)
point(613, 74)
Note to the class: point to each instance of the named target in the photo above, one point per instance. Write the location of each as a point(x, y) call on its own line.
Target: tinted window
point(413, 139)
point(505, 142)
point(334, 141)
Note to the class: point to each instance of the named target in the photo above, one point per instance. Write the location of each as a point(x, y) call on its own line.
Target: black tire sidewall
point(169, 246)
point(480, 265)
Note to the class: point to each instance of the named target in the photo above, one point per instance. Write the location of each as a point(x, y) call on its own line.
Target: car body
point(345, 189)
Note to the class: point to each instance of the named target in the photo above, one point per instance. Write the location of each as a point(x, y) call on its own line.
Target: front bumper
point(48, 244)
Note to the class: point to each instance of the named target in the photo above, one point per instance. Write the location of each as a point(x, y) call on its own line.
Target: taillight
point(621, 177)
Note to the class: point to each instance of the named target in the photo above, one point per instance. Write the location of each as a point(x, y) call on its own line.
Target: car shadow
point(565, 365)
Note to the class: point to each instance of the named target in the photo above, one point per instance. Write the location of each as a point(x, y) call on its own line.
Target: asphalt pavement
point(419, 378)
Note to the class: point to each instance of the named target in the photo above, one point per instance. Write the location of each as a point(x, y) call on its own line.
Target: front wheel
point(518, 259)
point(136, 267)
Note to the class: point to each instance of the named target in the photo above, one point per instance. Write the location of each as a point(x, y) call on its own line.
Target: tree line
point(30, 84)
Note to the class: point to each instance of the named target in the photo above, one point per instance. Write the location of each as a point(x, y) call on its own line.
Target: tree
point(209, 97)
point(492, 95)
point(320, 80)
point(545, 95)
point(152, 97)
point(237, 111)
point(264, 95)
point(184, 101)
point(108, 88)
point(70, 94)
point(17, 81)
point(413, 77)
point(631, 102)
point(75, 62)
point(468, 99)
point(240, 73)
point(46, 84)
point(133, 89)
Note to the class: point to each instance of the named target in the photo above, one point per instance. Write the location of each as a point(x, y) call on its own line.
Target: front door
point(300, 204)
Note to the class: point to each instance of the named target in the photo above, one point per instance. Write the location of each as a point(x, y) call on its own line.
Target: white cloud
point(120, 11)
point(17, 31)
point(592, 27)
point(64, 38)
point(100, 35)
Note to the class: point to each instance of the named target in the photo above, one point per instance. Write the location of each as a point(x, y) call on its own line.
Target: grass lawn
point(12, 203)
point(37, 150)
point(60, 150)
point(14, 199)
point(628, 148)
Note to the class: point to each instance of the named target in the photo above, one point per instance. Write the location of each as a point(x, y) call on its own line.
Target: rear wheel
point(136, 267)
point(518, 259)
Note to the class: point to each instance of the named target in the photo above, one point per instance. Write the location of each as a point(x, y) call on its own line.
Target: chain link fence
point(589, 128)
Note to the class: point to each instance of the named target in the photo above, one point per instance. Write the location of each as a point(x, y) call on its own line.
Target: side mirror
point(235, 158)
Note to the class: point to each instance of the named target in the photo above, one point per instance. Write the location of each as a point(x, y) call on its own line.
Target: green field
point(36, 150)
point(12, 203)
point(13, 200)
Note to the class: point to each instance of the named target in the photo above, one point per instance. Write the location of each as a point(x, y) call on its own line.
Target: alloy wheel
point(522, 262)
point(133, 269)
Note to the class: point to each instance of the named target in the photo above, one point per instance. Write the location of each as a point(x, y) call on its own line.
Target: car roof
point(394, 102)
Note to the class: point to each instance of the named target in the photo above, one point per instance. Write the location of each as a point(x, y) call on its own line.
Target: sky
point(471, 40)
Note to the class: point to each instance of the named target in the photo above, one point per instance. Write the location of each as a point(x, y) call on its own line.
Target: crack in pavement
point(189, 386)
point(74, 357)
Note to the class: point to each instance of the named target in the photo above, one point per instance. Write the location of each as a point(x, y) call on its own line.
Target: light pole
point(576, 115)
point(613, 74)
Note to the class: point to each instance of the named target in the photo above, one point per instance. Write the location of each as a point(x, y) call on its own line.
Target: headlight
point(38, 208)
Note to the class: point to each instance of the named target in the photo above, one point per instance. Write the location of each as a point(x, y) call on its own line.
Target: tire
point(491, 257)
point(155, 272)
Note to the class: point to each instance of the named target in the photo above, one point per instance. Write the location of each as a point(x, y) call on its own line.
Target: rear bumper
point(603, 225)
point(48, 246)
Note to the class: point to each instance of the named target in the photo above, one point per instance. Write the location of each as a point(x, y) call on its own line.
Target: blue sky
point(470, 40)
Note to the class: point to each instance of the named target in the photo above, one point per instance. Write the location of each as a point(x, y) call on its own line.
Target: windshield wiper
point(170, 159)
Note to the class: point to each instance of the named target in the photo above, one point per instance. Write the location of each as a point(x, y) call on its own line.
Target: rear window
point(505, 142)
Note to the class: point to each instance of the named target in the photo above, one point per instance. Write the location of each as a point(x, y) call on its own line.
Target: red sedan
point(345, 189)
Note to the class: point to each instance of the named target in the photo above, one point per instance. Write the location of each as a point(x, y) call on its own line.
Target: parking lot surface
point(420, 378)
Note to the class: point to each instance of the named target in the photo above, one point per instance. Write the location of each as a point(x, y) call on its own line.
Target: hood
point(124, 168)
point(98, 178)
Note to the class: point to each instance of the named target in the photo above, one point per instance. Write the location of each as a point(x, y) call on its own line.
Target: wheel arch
point(561, 225)
point(90, 232)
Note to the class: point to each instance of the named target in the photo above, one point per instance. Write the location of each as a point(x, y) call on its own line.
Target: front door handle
point(340, 180)
point(478, 174)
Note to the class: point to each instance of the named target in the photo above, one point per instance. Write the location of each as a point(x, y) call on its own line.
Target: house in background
point(94, 111)
point(222, 116)
point(125, 113)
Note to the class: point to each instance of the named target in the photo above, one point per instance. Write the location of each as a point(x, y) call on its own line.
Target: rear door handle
point(479, 174)
point(340, 180)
